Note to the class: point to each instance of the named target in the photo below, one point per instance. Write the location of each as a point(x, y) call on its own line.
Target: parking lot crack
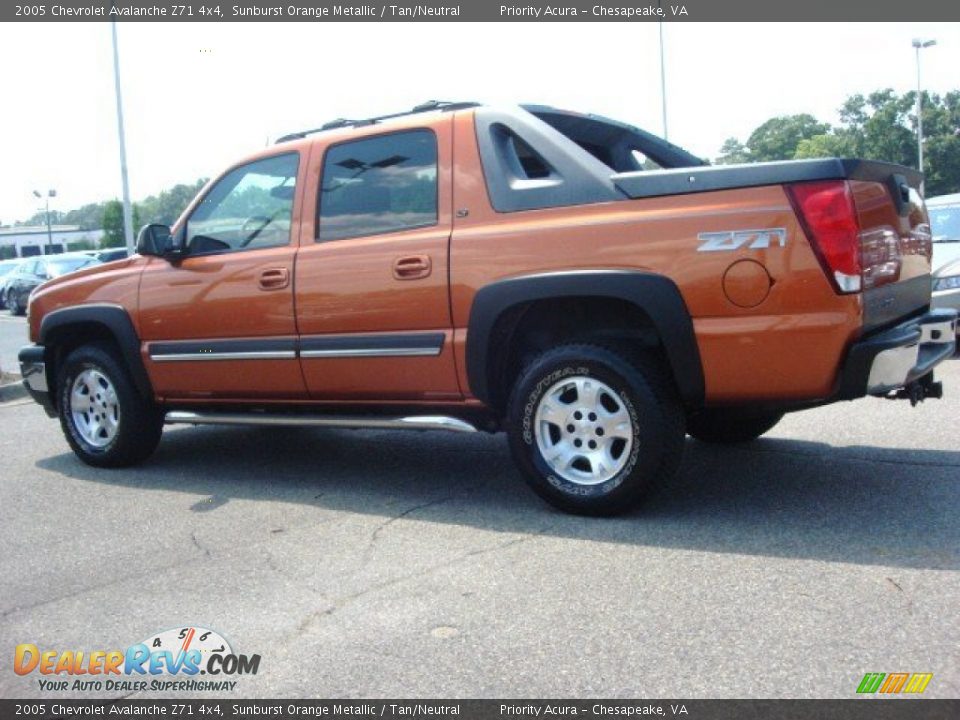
point(199, 546)
point(347, 600)
point(380, 528)
point(375, 535)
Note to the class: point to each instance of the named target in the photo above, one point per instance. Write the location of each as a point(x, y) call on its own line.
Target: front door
point(219, 322)
point(371, 287)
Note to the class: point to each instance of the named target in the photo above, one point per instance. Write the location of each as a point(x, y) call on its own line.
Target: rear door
point(371, 283)
point(219, 322)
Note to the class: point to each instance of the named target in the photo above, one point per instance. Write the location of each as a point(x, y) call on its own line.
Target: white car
point(944, 214)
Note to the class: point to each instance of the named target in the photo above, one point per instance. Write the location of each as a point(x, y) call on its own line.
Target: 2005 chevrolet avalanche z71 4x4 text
point(592, 290)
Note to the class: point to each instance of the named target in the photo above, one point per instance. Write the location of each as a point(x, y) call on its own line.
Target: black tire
point(139, 422)
point(641, 390)
point(17, 306)
point(731, 425)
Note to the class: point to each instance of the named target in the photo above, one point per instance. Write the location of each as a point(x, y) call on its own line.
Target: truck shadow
point(773, 497)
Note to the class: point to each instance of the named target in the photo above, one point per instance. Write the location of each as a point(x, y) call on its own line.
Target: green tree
point(776, 139)
point(87, 217)
point(113, 235)
point(879, 126)
point(942, 164)
point(825, 146)
point(40, 218)
point(166, 206)
point(733, 152)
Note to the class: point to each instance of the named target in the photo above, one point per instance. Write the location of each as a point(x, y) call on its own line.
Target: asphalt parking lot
point(385, 564)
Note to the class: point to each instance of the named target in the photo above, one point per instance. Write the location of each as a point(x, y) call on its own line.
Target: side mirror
point(159, 241)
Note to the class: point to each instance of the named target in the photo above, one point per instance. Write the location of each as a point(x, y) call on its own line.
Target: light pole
point(918, 45)
point(127, 210)
point(663, 83)
point(50, 193)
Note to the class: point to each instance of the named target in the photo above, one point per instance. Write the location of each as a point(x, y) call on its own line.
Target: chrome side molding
point(414, 422)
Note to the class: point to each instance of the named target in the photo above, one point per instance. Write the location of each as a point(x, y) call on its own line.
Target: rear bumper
point(33, 369)
point(892, 359)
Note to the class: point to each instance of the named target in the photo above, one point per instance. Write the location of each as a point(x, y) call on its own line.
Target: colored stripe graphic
point(893, 683)
point(871, 682)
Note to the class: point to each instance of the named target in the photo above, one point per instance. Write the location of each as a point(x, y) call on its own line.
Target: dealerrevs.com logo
point(168, 661)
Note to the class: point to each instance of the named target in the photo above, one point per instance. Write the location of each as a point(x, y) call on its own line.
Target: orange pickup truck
point(589, 288)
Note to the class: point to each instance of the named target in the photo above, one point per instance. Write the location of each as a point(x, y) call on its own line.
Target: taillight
point(827, 213)
point(852, 258)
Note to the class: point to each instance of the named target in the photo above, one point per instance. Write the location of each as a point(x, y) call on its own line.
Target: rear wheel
point(107, 422)
point(728, 425)
point(593, 431)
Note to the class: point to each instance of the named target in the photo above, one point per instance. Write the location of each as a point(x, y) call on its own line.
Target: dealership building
point(29, 240)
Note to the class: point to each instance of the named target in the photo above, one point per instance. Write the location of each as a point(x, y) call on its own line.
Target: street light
point(663, 84)
point(50, 193)
point(918, 45)
point(127, 209)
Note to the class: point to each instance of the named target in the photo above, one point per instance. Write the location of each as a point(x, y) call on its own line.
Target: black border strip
point(386, 345)
point(310, 347)
point(190, 350)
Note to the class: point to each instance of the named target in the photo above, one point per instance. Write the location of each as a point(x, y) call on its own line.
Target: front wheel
point(107, 422)
point(594, 431)
point(731, 425)
point(15, 301)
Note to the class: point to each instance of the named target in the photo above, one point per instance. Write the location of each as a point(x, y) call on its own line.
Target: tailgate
point(888, 203)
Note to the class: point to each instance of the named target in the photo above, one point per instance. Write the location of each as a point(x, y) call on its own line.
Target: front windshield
point(65, 265)
point(945, 222)
point(6, 267)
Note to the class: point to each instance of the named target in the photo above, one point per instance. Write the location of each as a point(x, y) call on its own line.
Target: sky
point(198, 96)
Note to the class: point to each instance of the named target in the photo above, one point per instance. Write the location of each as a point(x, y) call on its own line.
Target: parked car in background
point(111, 254)
point(31, 273)
point(944, 212)
point(6, 267)
point(946, 286)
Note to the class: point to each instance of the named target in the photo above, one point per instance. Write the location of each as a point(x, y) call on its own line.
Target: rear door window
point(379, 185)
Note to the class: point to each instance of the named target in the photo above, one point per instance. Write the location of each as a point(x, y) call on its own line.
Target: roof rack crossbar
point(430, 105)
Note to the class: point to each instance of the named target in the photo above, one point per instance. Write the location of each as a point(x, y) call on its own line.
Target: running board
point(416, 422)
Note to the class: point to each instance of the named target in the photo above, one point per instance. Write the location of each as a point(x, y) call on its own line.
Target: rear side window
point(379, 185)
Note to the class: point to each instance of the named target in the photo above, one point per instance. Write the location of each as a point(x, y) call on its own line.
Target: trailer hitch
point(919, 390)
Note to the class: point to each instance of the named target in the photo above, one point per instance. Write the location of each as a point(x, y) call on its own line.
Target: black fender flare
point(116, 320)
point(657, 296)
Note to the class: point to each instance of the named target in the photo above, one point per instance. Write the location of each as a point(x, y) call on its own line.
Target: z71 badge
point(734, 239)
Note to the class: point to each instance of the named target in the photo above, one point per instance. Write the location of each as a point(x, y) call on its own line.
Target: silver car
point(945, 225)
